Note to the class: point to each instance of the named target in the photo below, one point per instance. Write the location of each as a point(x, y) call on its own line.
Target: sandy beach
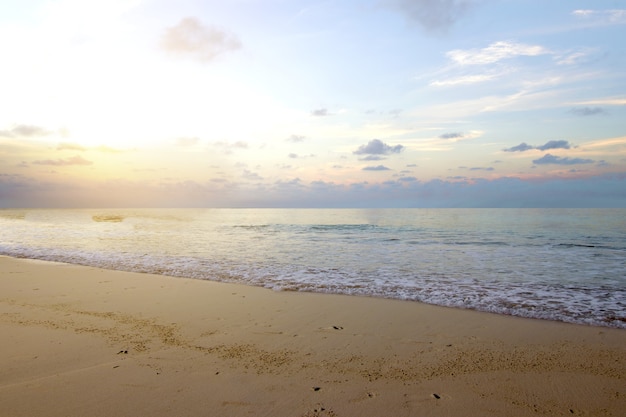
point(82, 341)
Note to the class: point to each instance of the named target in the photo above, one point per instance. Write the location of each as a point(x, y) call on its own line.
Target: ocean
point(557, 264)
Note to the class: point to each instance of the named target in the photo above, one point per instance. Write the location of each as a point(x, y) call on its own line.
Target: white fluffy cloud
point(495, 52)
point(190, 37)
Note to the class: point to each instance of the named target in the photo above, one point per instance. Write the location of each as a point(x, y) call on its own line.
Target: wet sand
point(82, 341)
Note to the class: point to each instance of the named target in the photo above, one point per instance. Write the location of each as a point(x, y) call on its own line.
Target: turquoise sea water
point(558, 264)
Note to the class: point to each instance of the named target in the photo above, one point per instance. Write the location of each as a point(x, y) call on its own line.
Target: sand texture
point(81, 341)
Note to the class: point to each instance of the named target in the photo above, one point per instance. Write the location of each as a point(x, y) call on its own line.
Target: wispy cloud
point(452, 135)
point(549, 159)
point(108, 149)
point(251, 175)
point(464, 80)
point(553, 144)
point(609, 101)
point(522, 147)
point(611, 145)
point(296, 138)
point(192, 38)
point(602, 17)
point(67, 146)
point(571, 58)
point(320, 112)
point(372, 158)
point(376, 168)
point(481, 169)
point(296, 156)
point(24, 131)
point(481, 65)
point(75, 160)
point(234, 145)
point(495, 52)
point(588, 111)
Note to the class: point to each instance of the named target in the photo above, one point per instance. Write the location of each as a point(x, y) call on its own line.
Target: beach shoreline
point(86, 341)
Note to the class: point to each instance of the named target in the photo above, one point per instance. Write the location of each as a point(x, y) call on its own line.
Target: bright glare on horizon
point(312, 103)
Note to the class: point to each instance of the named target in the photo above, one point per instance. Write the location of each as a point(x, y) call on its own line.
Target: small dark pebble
point(316, 388)
point(337, 327)
point(436, 396)
point(116, 366)
point(449, 345)
point(571, 411)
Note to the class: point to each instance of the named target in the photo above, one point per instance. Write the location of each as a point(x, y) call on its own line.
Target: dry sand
point(81, 341)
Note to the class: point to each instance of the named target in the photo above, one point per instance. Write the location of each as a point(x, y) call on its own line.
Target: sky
point(312, 103)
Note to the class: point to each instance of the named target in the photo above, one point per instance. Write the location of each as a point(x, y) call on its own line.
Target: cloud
point(372, 158)
point(378, 147)
point(24, 131)
point(549, 159)
point(452, 135)
point(296, 156)
point(571, 58)
point(228, 146)
point(464, 80)
point(250, 175)
point(394, 113)
point(376, 168)
point(191, 38)
point(605, 102)
point(522, 147)
point(320, 112)
point(66, 146)
point(108, 149)
point(588, 111)
point(481, 169)
point(553, 144)
point(495, 52)
point(296, 138)
point(602, 17)
point(433, 15)
point(75, 160)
